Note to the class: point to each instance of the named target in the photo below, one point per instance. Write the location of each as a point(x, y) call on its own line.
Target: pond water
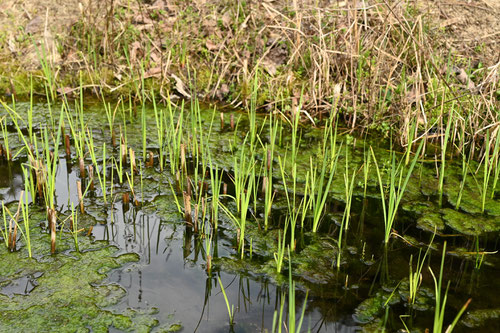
point(169, 282)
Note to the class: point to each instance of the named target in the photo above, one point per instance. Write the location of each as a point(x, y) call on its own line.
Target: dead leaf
point(11, 45)
point(155, 57)
point(180, 87)
point(222, 92)
point(449, 21)
point(65, 91)
point(155, 71)
point(135, 51)
point(226, 19)
point(34, 26)
point(142, 19)
point(211, 46)
point(209, 26)
point(270, 66)
point(50, 46)
point(158, 4)
point(464, 78)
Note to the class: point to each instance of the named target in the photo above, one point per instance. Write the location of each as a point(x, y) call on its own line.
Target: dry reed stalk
point(13, 232)
point(126, 198)
point(52, 219)
point(123, 152)
point(187, 208)
point(80, 196)
point(209, 263)
point(269, 159)
point(232, 122)
point(221, 120)
point(203, 207)
point(133, 166)
point(67, 147)
point(183, 157)
point(150, 162)
point(113, 138)
point(39, 174)
point(195, 217)
point(91, 177)
point(81, 163)
point(188, 186)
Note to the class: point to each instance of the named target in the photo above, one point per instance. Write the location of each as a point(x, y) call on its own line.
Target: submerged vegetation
point(289, 183)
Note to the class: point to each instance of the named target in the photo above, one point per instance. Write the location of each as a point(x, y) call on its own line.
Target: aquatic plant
point(320, 183)
point(9, 233)
point(101, 174)
point(25, 213)
point(293, 326)
point(494, 163)
point(174, 136)
point(366, 169)
point(346, 216)
point(293, 210)
point(465, 172)
point(267, 181)
point(5, 137)
point(215, 181)
point(240, 222)
point(410, 136)
point(280, 254)
point(396, 190)
point(488, 165)
point(415, 277)
point(160, 131)
point(441, 298)
point(243, 172)
point(444, 144)
point(73, 220)
point(110, 116)
point(47, 71)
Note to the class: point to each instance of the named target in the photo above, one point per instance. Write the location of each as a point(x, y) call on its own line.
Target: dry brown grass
point(395, 62)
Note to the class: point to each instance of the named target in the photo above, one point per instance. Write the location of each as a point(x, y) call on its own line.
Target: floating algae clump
point(470, 225)
point(67, 294)
point(478, 318)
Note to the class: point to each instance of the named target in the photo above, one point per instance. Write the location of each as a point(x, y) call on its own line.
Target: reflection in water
point(171, 276)
point(11, 181)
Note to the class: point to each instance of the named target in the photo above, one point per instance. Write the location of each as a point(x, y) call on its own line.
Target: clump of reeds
point(397, 185)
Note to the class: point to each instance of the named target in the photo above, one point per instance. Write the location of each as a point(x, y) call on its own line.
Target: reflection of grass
point(230, 309)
